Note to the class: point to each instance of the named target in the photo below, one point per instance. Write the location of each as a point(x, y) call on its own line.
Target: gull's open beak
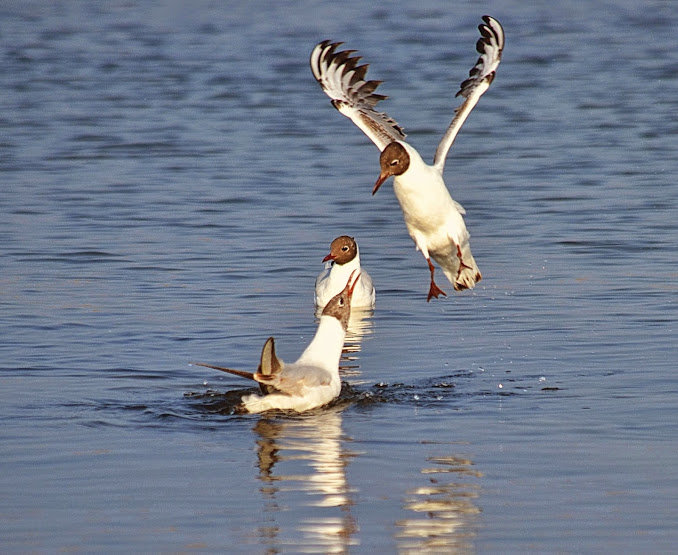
point(351, 286)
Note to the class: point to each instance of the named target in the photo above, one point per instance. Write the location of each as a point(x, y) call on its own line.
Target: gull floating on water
point(313, 380)
point(433, 219)
point(344, 259)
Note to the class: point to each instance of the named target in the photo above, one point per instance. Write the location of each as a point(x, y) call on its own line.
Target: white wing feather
point(490, 46)
point(343, 80)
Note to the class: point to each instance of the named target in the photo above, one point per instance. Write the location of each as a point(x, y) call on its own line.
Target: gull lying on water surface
point(313, 380)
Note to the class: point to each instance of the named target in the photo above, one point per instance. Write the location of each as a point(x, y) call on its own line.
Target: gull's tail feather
point(269, 365)
point(461, 268)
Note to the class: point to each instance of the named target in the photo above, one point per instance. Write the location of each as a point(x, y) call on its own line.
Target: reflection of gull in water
point(360, 324)
point(302, 467)
point(444, 509)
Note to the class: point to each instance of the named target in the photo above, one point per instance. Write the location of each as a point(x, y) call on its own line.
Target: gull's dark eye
point(344, 248)
point(341, 301)
point(395, 162)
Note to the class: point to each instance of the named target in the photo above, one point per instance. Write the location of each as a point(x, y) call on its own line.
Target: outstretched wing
point(343, 80)
point(241, 373)
point(490, 46)
point(269, 366)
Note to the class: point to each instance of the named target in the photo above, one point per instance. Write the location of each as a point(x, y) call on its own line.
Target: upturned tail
point(269, 366)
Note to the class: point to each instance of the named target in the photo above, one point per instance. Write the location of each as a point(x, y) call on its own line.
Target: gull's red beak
point(382, 177)
point(351, 286)
point(329, 257)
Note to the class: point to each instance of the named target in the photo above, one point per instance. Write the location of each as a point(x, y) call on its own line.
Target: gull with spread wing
point(433, 218)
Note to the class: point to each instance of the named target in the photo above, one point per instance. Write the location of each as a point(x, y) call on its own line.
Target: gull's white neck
point(418, 170)
point(325, 349)
point(422, 194)
point(341, 272)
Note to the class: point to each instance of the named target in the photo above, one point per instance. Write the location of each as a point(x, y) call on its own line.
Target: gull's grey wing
point(490, 46)
point(241, 373)
point(295, 380)
point(269, 366)
point(343, 80)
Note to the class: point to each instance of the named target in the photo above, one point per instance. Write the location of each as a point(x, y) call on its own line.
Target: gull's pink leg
point(433, 290)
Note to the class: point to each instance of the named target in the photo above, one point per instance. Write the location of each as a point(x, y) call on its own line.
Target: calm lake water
point(171, 177)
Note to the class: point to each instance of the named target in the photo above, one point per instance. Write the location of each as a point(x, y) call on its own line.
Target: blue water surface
point(171, 176)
